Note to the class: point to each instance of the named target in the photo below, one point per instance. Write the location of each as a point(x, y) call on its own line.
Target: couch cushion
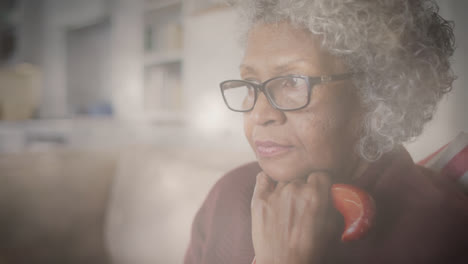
point(156, 195)
point(52, 206)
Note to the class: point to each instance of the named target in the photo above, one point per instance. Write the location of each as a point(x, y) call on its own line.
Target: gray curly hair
point(402, 46)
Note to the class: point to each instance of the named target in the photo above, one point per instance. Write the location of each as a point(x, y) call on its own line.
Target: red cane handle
point(357, 208)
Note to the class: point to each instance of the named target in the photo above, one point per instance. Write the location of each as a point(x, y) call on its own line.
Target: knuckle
point(289, 191)
point(309, 190)
point(291, 188)
point(311, 201)
point(259, 203)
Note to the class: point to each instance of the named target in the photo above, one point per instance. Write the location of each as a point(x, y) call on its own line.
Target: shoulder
point(438, 189)
point(446, 195)
point(231, 193)
point(422, 214)
point(221, 227)
point(436, 216)
point(405, 183)
point(234, 188)
point(416, 190)
point(239, 179)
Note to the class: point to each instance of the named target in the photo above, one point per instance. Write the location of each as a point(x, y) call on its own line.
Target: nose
point(264, 113)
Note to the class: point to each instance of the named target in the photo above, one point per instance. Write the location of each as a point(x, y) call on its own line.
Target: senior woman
point(329, 90)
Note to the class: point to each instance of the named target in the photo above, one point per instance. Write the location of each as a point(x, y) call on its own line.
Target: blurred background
point(113, 129)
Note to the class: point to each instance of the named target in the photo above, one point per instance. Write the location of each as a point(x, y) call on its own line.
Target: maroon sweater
point(421, 218)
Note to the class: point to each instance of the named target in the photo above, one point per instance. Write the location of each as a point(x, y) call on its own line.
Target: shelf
point(162, 62)
point(162, 58)
point(152, 5)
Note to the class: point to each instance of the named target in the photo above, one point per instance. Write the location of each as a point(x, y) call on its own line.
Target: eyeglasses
point(285, 93)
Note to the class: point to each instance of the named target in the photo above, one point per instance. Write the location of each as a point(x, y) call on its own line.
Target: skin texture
point(323, 134)
point(291, 205)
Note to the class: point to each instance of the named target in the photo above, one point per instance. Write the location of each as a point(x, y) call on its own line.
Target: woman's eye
point(289, 83)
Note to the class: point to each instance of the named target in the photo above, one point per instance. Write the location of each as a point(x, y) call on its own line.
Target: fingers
point(263, 186)
point(318, 177)
point(297, 182)
point(317, 184)
point(314, 182)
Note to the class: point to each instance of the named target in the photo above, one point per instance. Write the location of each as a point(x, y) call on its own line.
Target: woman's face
point(320, 137)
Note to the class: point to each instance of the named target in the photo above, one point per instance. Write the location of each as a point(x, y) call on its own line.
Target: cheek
point(327, 131)
point(315, 132)
point(248, 129)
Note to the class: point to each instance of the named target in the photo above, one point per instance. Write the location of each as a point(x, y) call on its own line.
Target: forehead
point(282, 45)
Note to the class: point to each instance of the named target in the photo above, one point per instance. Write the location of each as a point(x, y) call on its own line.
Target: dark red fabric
point(422, 217)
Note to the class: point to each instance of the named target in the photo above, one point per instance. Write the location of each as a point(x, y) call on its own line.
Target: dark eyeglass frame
point(311, 81)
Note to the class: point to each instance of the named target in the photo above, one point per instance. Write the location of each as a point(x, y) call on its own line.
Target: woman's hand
point(290, 222)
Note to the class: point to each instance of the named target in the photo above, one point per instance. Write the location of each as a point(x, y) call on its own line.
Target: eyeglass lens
point(287, 92)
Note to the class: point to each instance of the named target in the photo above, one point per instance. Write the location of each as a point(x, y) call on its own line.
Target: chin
point(279, 172)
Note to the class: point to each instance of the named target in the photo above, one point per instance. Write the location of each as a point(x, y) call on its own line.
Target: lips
point(269, 148)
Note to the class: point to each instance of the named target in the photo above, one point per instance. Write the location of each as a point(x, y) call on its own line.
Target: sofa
point(53, 206)
point(131, 204)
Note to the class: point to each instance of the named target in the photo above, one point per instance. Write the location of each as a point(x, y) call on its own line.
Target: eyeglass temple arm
point(336, 77)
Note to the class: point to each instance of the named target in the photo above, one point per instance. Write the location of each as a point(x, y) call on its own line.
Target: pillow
point(451, 160)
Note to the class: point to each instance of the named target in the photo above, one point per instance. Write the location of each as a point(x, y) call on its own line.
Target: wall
point(60, 15)
point(126, 52)
point(212, 55)
point(30, 31)
point(88, 64)
point(125, 49)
